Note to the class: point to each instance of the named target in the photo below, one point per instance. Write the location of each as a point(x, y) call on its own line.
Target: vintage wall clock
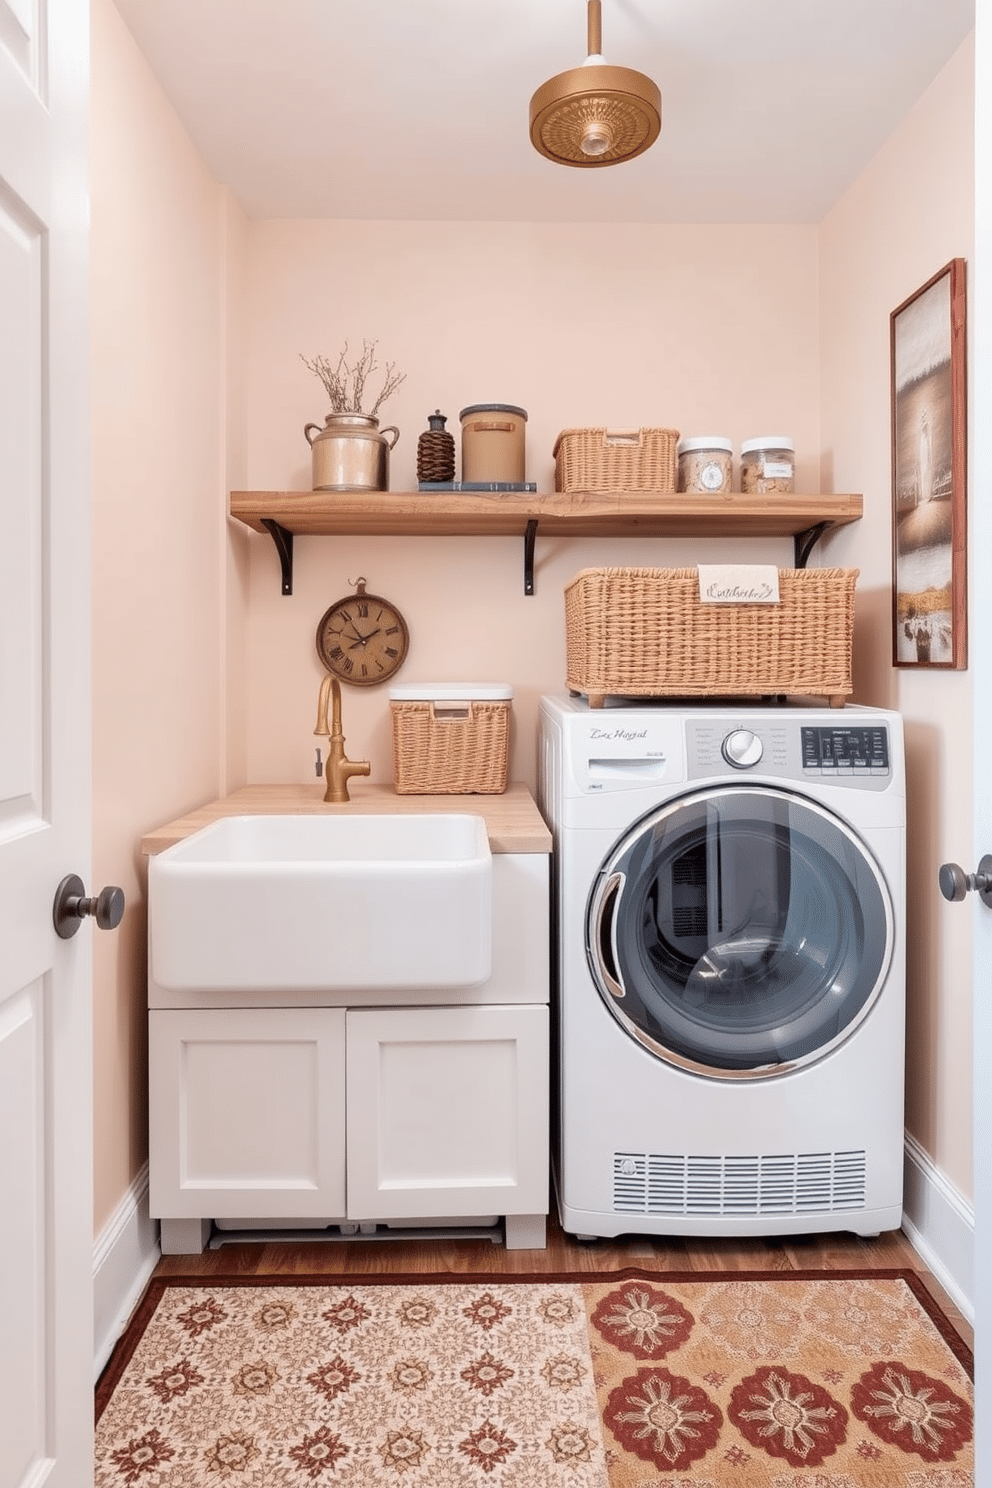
point(362, 639)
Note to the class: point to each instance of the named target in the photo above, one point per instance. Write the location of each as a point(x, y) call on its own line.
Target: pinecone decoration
point(436, 451)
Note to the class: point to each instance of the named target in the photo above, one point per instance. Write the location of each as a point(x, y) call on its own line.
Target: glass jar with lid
point(705, 464)
point(768, 464)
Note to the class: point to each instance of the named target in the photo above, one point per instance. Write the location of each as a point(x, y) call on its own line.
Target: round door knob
point(72, 905)
point(742, 749)
point(955, 884)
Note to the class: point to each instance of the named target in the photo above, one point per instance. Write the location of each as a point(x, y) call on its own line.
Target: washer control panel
point(855, 756)
point(828, 751)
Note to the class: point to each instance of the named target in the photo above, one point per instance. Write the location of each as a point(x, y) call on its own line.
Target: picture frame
point(929, 474)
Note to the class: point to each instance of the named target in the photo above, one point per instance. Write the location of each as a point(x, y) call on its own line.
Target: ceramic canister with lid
point(493, 444)
point(705, 464)
point(768, 464)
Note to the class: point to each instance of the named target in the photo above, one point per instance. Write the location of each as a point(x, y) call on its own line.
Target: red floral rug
point(629, 1380)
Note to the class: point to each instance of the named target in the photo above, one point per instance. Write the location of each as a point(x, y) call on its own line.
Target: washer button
point(742, 749)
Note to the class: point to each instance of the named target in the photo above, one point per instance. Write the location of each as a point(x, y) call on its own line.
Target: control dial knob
point(742, 749)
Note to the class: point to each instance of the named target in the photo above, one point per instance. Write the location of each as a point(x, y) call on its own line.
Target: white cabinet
point(349, 1115)
point(247, 1109)
point(446, 1107)
point(319, 1110)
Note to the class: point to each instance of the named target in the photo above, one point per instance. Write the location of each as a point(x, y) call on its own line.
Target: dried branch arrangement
point(345, 384)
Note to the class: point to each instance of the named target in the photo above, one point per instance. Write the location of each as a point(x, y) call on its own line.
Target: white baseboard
point(937, 1220)
point(124, 1257)
point(940, 1225)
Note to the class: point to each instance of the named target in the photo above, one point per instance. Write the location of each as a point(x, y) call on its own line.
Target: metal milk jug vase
point(351, 452)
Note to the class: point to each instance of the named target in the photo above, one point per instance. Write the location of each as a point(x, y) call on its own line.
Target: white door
point(980, 651)
point(46, 1222)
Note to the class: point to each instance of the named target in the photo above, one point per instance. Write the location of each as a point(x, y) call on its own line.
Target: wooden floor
point(446, 1256)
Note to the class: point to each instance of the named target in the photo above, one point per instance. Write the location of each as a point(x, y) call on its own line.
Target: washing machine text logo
point(627, 735)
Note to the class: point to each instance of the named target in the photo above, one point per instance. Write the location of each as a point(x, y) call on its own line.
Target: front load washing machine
point(729, 905)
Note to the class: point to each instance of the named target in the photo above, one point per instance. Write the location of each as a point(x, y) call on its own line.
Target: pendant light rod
point(594, 26)
point(594, 114)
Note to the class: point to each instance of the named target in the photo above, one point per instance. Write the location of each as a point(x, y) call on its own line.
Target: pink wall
point(707, 329)
point(160, 225)
point(205, 676)
point(910, 212)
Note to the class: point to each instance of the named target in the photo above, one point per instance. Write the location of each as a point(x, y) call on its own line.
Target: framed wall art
point(929, 461)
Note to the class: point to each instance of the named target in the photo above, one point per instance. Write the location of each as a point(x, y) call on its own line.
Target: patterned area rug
point(627, 1380)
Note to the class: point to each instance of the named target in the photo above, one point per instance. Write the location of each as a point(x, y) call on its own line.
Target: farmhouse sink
point(324, 901)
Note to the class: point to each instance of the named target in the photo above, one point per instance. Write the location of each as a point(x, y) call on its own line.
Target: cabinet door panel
point(447, 1112)
point(247, 1113)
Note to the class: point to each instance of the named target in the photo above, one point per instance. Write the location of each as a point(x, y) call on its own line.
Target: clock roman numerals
point(362, 639)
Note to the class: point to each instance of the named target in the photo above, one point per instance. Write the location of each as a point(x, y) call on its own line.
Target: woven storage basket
point(643, 632)
point(615, 459)
point(443, 747)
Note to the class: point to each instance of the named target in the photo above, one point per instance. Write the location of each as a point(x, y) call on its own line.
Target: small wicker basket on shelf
point(450, 740)
point(615, 460)
point(643, 632)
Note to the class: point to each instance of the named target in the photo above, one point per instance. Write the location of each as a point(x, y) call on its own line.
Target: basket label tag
point(738, 583)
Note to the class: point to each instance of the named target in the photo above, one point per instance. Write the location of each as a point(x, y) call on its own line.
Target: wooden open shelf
point(288, 514)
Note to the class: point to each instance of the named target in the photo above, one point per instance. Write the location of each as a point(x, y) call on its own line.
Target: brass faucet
point(338, 769)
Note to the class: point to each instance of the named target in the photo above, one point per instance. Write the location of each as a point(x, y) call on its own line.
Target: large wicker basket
point(615, 459)
point(444, 746)
point(643, 632)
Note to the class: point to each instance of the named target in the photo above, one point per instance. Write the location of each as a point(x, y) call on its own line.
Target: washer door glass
point(740, 932)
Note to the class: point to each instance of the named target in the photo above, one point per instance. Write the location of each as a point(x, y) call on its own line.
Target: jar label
point(711, 476)
point(776, 469)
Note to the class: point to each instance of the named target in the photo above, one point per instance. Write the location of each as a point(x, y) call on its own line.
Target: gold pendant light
point(595, 114)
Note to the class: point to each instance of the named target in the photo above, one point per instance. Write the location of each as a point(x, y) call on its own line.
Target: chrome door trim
point(606, 896)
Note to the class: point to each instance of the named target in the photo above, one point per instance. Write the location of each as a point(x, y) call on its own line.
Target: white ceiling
point(406, 109)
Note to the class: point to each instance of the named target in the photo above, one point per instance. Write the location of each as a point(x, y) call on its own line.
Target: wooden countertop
point(515, 825)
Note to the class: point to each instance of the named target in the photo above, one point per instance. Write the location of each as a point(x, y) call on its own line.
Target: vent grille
point(785, 1183)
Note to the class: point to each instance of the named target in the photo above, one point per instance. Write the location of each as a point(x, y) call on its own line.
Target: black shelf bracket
point(284, 547)
point(529, 537)
point(805, 542)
